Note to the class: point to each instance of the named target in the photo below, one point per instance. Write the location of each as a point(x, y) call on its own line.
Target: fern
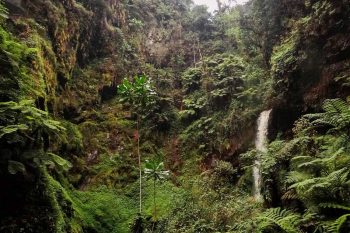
point(24, 118)
point(318, 173)
point(9, 129)
point(305, 184)
point(290, 195)
point(331, 182)
point(284, 219)
point(322, 162)
point(336, 226)
point(3, 12)
point(337, 114)
point(334, 206)
point(297, 176)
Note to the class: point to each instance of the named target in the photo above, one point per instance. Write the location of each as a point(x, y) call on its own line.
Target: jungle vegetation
point(122, 116)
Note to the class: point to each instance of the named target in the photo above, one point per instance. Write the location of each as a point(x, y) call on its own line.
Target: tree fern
point(328, 183)
point(337, 114)
point(326, 161)
point(318, 172)
point(284, 219)
point(337, 225)
point(297, 176)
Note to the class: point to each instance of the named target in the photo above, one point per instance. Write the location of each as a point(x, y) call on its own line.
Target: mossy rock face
point(68, 45)
point(307, 62)
point(50, 206)
point(34, 204)
point(20, 64)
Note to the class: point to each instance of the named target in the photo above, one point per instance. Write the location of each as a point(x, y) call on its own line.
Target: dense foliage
point(140, 116)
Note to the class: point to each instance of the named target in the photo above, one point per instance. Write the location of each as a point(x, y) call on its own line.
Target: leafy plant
point(336, 114)
point(3, 12)
point(29, 128)
point(280, 218)
point(313, 169)
point(154, 170)
point(26, 121)
point(337, 225)
point(139, 95)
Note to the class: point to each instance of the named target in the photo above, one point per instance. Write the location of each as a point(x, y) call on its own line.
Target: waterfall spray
point(260, 145)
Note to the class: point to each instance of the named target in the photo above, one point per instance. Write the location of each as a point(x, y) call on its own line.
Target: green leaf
point(12, 128)
point(61, 162)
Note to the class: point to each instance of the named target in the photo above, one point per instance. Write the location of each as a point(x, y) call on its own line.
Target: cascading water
point(260, 145)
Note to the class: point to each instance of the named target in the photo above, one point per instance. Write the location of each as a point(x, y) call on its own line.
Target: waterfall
point(260, 145)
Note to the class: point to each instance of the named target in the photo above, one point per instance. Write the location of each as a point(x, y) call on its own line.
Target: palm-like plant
point(154, 170)
point(139, 95)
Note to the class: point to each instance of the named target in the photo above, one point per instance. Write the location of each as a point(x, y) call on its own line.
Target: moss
point(60, 201)
point(16, 62)
point(104, 211)
point(114, 171)
point(97, 210)
point(285, 56)
point(35, 62)
point(74, 138)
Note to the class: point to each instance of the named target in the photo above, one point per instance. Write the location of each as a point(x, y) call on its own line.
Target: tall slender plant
point(155, 171)
point(140, 97)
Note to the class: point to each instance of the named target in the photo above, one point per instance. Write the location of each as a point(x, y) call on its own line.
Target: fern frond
point(284, 219)
point(320, 185)
point(290, 195)
point(339, 175)
point(296, 176)
point(335, 106)
point(302, 185)
point(302, 158)
point(334, 206)
point(337, 225)
point(3, 11)
point(320, 162)
point(337, 114)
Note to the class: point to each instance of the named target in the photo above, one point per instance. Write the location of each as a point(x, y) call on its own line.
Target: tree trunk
point(140, 169)
point(154, 205)
point(154, 199)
